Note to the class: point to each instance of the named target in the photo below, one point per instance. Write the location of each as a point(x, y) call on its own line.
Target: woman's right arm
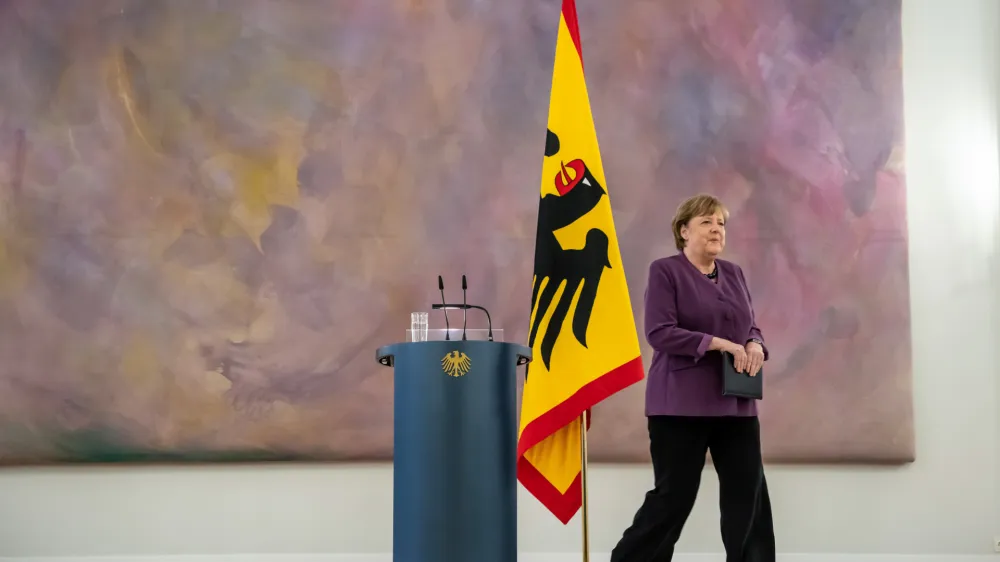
point(662, 331)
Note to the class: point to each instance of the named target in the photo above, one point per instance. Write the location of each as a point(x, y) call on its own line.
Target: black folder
point(740, 385)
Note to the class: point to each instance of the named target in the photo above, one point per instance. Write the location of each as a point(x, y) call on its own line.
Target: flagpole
point(583, 486)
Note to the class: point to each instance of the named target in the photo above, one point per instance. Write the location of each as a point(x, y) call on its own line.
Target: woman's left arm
point(754, 330)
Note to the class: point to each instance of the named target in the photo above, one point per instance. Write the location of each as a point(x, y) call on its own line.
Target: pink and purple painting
point(212, 213)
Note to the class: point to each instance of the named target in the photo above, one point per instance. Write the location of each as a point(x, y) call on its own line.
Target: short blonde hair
point(698, 206)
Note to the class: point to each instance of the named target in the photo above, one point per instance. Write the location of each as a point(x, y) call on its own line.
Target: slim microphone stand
point(448, 306)
point(465, 308)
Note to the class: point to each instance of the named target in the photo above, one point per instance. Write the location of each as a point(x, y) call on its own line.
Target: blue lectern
point(455, 448)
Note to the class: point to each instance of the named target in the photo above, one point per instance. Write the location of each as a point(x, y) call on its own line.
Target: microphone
point(447, 327)
point(465, 307)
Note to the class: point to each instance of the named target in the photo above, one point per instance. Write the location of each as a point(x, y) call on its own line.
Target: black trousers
point(678, 446)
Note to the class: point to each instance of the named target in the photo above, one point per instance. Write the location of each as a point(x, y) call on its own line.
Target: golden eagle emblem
point(456, 364)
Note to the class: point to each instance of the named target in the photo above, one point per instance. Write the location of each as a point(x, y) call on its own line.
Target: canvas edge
point(526, 557)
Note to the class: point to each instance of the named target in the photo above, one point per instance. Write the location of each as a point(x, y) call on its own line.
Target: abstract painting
point(212, 212)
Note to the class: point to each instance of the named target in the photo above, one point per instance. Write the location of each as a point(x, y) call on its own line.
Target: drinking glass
point(418, 326)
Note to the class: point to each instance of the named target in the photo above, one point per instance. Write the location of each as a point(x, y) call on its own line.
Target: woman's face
point(706, 234)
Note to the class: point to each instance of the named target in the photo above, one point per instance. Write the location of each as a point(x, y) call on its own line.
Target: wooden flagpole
point(583, 486)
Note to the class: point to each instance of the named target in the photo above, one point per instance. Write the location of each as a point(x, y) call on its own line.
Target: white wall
point(947, 502)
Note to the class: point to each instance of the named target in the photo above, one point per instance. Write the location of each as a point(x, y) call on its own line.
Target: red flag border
point(573, 25)
point(565, 506)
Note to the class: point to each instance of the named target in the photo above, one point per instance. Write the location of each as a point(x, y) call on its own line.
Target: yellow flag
point(582, 332)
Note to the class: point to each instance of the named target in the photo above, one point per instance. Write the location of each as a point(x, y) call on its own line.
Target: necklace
point(714, 274)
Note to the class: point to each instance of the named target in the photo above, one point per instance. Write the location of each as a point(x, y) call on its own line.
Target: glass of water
point(418, 326)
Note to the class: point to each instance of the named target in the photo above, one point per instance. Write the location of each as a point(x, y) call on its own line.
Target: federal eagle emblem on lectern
point(456, 364)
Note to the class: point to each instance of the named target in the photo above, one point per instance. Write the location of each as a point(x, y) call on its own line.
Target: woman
point(697, 306)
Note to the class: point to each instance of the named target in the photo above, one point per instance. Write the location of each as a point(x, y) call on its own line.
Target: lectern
point(455, 449)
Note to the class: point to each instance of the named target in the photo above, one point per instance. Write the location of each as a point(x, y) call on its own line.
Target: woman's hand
point(755, 358)
point(740, 359)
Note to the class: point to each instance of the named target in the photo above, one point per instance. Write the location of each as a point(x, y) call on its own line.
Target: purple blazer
point(684, 310)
